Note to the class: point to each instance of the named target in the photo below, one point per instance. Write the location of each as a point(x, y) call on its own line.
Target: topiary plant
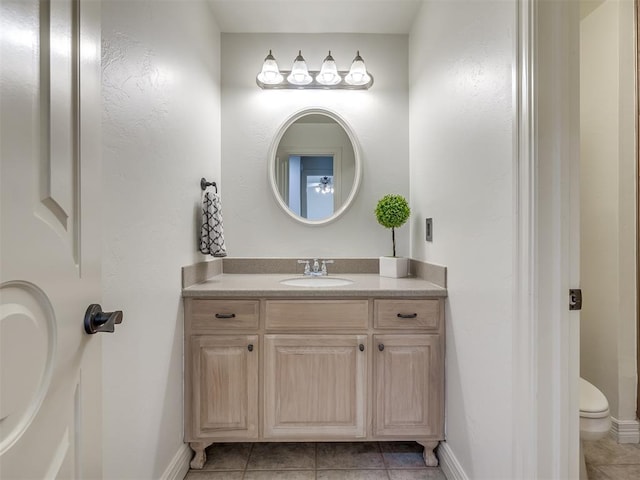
point(392, 212)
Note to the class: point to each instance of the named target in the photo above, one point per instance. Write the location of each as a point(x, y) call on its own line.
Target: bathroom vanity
point(270, 362)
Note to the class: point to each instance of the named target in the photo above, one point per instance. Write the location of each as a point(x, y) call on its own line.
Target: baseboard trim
point(449, 463)
point(625, 431)
point(179, 466)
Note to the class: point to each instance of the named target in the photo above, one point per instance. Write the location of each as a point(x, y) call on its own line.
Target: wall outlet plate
point(429, 230)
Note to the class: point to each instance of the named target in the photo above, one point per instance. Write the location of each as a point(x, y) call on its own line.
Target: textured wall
point(251, 117)
point(161, 133)
point(461, 148)
point(607, 195)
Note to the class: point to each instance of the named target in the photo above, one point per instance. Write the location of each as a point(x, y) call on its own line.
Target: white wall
point(461, 148)
point(161, 133)
point(251, 118)
point(608, 214)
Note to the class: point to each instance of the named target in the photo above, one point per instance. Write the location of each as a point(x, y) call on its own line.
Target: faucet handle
point(324, 266)
point(307, 269)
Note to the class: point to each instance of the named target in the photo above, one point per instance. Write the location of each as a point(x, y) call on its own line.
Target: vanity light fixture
point(358, 72)
point(328, 78)
point(299, 73)
point(270, 74)
point(328, 72)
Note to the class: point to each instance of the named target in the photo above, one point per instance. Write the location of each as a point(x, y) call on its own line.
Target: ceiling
point(315, 16)
point(326, 16)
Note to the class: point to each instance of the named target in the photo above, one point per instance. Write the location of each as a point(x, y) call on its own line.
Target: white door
point(558, 212)
point(50, 369)
point(547, 334)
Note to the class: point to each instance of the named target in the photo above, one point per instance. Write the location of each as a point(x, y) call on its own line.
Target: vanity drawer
point(409, 314)
point(316, 314)
point(212, 315)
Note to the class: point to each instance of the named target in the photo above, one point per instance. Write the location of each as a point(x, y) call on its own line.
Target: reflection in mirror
point(313, 171)
point(306, 184)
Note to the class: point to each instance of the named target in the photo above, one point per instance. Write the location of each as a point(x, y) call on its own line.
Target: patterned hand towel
point(211, 234)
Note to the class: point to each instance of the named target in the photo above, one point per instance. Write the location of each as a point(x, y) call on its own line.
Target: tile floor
point(316, 461)
point(608, 460)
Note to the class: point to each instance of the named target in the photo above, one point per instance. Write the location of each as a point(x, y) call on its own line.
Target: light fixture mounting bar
point(314, 85)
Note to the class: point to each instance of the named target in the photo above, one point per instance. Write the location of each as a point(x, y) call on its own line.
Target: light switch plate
point(429, 230)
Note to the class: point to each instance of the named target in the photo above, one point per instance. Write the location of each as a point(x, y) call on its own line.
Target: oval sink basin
point(316, 282)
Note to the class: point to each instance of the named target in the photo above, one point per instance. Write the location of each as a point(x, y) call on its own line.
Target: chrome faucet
point(317, 269)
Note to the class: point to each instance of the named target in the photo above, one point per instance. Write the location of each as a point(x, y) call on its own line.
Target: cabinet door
point(315, 386)
point(225, 386)
point(409, 386)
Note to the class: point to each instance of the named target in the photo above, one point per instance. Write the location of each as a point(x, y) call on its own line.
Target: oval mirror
point(315, 166)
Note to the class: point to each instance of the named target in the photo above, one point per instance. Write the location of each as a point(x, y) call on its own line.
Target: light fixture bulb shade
point(358, 72)
point(299, 73)
point(328, 72)
point(270, 74)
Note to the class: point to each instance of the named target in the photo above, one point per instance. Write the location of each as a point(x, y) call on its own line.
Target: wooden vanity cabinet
point(222, 366)
point(225, 386)
point(408, 376)
point(407, 385)
point(408, 367)
point(315, 386)
point(314, 370)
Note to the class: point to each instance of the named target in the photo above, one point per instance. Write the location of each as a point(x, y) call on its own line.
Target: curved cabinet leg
point(200, 455)
point(429, 454)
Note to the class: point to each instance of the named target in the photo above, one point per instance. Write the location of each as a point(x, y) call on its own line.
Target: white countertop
point(257, 285)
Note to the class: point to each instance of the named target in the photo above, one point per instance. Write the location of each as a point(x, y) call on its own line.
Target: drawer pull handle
point(407, 315)
point(381, 346)
point(225, 315)
point(250, 347)
point(361, 347)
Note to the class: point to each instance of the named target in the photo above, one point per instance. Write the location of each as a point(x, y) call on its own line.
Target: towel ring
point(204, 184)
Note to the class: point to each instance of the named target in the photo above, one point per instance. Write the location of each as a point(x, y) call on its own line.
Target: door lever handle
point(95, 320)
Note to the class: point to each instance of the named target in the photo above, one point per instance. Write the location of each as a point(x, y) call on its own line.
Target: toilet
point(595, 422)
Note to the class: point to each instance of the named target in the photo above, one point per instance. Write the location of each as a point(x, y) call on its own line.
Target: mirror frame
point(357, 178)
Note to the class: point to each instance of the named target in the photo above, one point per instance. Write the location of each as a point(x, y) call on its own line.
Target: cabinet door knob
point(361, 347)
point(407, 315)
point(225, 315)
point(381, 346)
point(250, 347)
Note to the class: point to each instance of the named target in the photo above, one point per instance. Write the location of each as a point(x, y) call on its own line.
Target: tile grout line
point(384, 462)
point(246, 464)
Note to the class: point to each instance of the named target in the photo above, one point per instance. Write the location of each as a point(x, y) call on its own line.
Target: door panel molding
point(28, 328)
point(59, 120)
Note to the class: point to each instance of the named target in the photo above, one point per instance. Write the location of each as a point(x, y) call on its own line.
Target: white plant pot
point(394, 267)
